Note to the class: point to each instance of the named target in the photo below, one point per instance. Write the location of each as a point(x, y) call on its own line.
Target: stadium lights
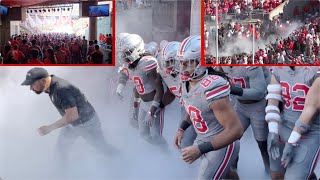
point(45, 9)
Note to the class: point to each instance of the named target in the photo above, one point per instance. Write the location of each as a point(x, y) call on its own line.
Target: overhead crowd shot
point(52, 48)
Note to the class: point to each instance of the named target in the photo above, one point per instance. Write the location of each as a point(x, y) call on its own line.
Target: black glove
point(236, 90)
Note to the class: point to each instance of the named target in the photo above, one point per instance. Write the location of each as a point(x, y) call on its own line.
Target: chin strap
point(199, 76)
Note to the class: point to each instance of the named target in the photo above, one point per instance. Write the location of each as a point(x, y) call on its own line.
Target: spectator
point(96, 56)
point(34, 57)
point(51, 58)
point(60, 55)
point(17, 55)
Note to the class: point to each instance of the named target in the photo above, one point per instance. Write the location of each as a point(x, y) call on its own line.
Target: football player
point(206, 100)
point(148, 88)
point(292, 156)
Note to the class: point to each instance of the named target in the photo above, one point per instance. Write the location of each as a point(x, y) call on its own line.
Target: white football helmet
point(132, 46)
point(162, 44)
point(119, 40)
point(190, 50)
point(168, 57)
point(152, 48)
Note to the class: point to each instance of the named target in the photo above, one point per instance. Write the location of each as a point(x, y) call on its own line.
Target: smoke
point(155, 23)
point(26, 155)
point(245, 45)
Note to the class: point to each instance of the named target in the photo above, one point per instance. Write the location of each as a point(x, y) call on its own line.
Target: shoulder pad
point(214, 86)
point(251, 67)
point(149, 62)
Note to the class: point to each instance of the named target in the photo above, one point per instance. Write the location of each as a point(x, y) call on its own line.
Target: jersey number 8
point(139, 85)
point(197, 120)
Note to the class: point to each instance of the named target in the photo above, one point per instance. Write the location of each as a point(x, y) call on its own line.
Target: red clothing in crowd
point(291, 45)
point(225, 8)
point(296, 11)
point(280, 46)
point(14, 42)
point(47, 61)
point(35, 61)
point(18, 55)
point(67, 51)
point(237, 27)
point(265, 5)
point(109, 40)
point(255, 4)
point(231, 4)
point(306, 9)
point(243, 5)
point(305, 32)
point(273, 4)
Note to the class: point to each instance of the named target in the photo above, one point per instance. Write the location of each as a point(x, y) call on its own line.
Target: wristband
point(273, 127)
point(302, 126)
point(137, 100)
point(155, 104)
point(272, 108)
point(205, 147)
point(274, 96)
point(273, 116)
point(120, 88)
point(294, 137)
point(184, 125)
point(275, 88)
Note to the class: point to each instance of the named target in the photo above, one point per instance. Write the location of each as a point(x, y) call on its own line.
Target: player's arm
point(136, 98)
point(167, 98)
point(155, 79)
point(227, 117)
point(273, 97)
point(217, 97)
point(311, 107)
point(185, 123)
point(302, 125)
point(257, 83)
point(122, 81)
